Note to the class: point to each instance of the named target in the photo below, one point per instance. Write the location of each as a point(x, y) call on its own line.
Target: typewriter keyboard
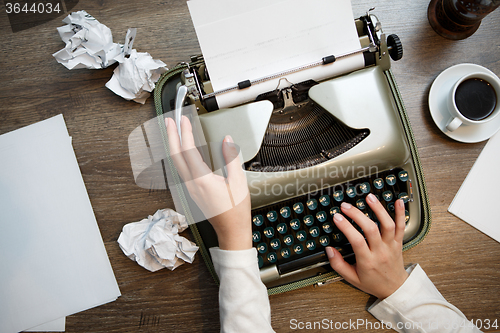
point(302, 227)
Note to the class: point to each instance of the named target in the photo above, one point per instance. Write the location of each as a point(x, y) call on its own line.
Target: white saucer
point(438, 95)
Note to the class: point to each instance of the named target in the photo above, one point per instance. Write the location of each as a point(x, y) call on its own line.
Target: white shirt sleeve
point(417, 306)
point(243, 300)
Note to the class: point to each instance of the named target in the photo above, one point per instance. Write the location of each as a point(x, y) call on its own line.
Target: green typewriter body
point(307, 148)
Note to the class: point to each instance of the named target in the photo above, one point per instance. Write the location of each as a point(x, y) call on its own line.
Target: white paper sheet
point(243, 40)
point(58, 325)
point(476, 202)
point(53, 262)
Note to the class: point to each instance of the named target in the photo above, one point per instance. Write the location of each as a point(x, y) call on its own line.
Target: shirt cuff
point(416, 285)
point(234, 259)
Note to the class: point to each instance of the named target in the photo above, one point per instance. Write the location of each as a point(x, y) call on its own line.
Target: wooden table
point(463, 263)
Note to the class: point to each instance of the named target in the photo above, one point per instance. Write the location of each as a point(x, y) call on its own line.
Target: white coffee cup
point(476, 102)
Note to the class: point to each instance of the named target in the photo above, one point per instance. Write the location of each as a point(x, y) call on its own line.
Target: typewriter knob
point(395, 47)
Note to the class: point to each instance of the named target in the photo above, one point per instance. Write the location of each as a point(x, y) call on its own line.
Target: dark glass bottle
point(458, 19)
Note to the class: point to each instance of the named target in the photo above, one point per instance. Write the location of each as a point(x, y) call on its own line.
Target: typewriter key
point(272, 257)
point(327, 227)
point(272, 216)
point(258, 220)
point(308, 220)
point(361, 204)
point(285, 212)
point(261, 261)
point(403, 175)
point(404, 196)
point(391, 180)
point(334, 210)
point(295, 224)
point(324, 240)
point(312, 204)
point(337, 237)
point(351, 192)
point(338, 195)
point(324, 200)
point(262, 248)
point(288, 240)
point(298, 207)
point(301, 235)
point(285, 252)
point(378, 183)
point(321, 216)
point(364, 187)
point(282, 228)
point(275, 244)
point(314, 231)
point(387, 195)
point(298, 248)
point(311, 245)
point(269, 232)
point(256, 236)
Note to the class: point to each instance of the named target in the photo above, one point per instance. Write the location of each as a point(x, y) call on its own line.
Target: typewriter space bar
point(300, 265)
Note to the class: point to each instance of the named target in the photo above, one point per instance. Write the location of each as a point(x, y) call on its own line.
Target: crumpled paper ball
point(154, 242)
point(136, 76)
point(89, 44)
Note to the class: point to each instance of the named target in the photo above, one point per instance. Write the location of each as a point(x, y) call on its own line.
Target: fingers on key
point(370, 229)
point(400, 220)
point(389, 228)
point(387, 225)
point(355, 238)
point(342, 267)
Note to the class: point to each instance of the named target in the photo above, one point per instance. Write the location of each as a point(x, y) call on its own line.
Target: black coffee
point(475, 99)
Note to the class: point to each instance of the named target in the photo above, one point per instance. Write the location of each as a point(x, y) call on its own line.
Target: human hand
point(224, 201)
point(379, 266)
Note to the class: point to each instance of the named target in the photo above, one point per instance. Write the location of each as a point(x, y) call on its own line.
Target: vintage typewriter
point(307, 148)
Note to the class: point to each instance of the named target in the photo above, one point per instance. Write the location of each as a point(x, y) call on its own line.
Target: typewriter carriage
point(375, 46)
point(294, 113)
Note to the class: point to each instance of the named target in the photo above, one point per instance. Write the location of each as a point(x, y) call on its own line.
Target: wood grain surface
point(463, 263)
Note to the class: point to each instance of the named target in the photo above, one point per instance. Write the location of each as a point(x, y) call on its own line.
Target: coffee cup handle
point(453, 124)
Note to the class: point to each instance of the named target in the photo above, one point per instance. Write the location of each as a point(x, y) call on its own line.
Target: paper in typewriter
point(247, 40)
